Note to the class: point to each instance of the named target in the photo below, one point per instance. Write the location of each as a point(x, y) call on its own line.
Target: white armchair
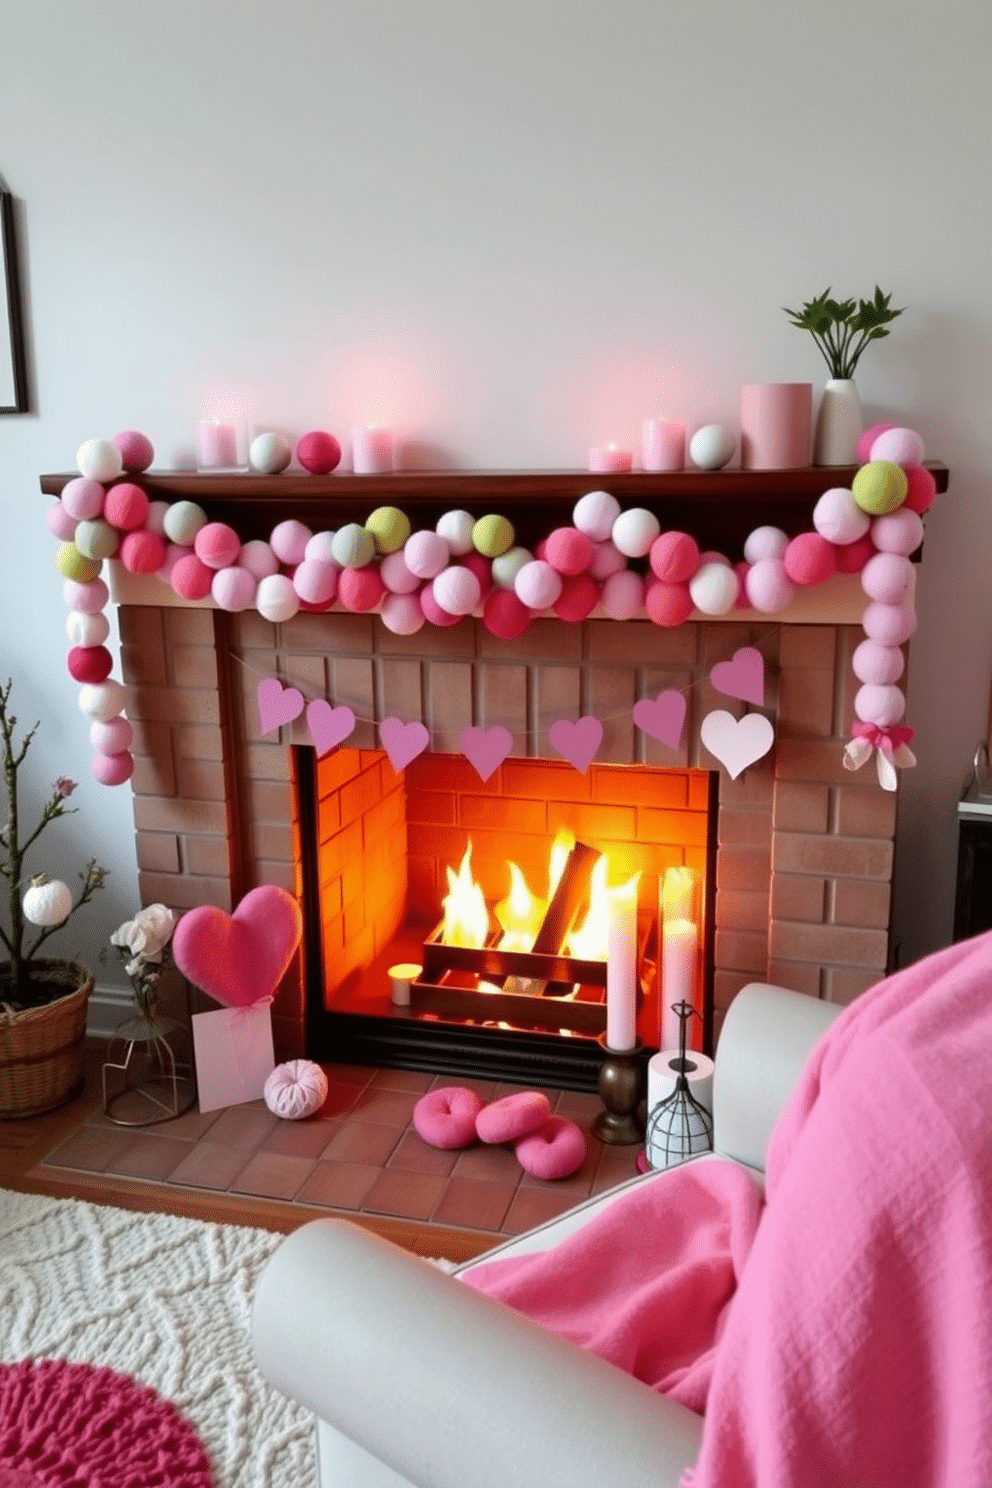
point(417, 1380)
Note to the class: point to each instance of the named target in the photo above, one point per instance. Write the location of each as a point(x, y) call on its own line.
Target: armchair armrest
point(445, 1386)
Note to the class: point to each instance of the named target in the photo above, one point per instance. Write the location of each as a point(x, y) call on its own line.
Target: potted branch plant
point(43, 1000)
point(842, 330)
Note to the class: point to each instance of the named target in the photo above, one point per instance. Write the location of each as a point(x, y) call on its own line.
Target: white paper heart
point(737, 742)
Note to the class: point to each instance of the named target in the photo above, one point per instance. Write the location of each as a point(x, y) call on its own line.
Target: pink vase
point(775, 425)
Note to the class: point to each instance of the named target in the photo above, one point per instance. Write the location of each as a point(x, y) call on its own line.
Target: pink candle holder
point(775, 425)
point(662, 445)
point(371, 451)
point(607, 459)
point(217, 445)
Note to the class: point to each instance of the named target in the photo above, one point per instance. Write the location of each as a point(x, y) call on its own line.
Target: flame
point(590, 940)
point(519, 914)
point(560, 849)
point(466, 918)
point(678, 894)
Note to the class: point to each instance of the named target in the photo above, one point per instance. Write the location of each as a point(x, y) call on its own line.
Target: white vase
point(839, 424)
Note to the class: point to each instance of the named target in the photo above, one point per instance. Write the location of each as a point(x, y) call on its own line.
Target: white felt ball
point(765, 542)
point(457, 590)
point(838, 517)
point(538, 585)
point(595, 513)
point(276, 599)
point(622, 596)
point(606, 559)
point(86, 630)
point(898, 532)
point(99, 460)
point(316, 580)
point(289, 539)
point(882, 705)
point(426, 554)
point(258, 558)
point(881, 665)
point(353, 546)
point(402, 614)
point(320, 546)
point(396, 576)
point(506, 567)
point(295, 1089)
point(102, 700)
point(889, 578)
point(713, 588)
point(456, 529)
point(768, 586)
point(269, 453)
point(712, 446)
point(634, 531)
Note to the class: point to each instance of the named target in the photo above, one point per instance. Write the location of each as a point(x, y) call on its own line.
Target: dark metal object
point(14, 396)
point(621, 1081)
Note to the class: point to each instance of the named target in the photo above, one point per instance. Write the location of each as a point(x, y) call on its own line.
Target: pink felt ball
point(667, 604)
point(880, 665)
point(125, 507)
point(318, 453)
point(113, 769)
point(863, 449)
point(89, 597)
point(890, 625)
point(899, 532)
point(89, 663)
point(426, 554)
point(568, 550)
point(902, 446)
point(83, 498)
point(810, 559)
point(316, 581)
point(433, 611)
point(289, 541)
point(504, 615)
point(888, 577)
point(557, 1149)
point(396, 576)
point(578, 598)
point(882, 705)
point(622, 595)
point(60, 523)
point(538, 585)
point(258, 558)
point(155, 520)
point(402, 614)
point(142, 552)
point(838, 517)
point(606, 559)
point(320, 545)
point(769, 587)
point(482, 567)
point(173, 553)
point(921, 489)
point(233, 589)
point(111, 737)
point(457, 590)
point(742, 570)
point(191, 578)
point(360, 589)
point(765, 542)
point(674, 557)
point(217, 545)
point(852, 557)
point(137, 450)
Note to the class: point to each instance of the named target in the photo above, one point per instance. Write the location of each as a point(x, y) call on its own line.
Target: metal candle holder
point(621, 1078)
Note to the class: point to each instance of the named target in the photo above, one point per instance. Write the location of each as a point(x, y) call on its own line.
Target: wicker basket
point(42, 1050)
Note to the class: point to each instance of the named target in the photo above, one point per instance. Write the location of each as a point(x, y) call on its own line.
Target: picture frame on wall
point(13, 354)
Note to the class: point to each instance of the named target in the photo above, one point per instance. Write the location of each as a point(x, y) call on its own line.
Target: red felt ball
point(668, 604)
point(810, 559)
point(113, 769)
point(921, 492)
point(190, 578)
point(317, 452)
point(217, 545)
point(89, 663)
point(852, 557)
point(674, 557)
point(433, 610)
point(142, 552)
point(504, 615)
point(578, 598)
point(125, 507)
point(137, 451)
point(568, 550)
point(360, 589)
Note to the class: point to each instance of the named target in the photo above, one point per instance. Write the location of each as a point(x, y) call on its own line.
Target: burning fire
point(466, 917)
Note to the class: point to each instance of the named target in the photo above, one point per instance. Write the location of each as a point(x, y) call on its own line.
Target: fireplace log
point(559, 917)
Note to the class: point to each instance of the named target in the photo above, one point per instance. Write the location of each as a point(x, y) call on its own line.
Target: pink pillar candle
point(216, 445)
point(662, 445)
point(371, 451)
point(607, 459)
point(621, 967)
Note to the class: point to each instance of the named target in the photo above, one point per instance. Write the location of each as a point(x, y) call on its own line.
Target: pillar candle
point(621, 967)
point(662, 445)
point(606, 459)
point(679, 944)
point(216, 445)
point(371, 451)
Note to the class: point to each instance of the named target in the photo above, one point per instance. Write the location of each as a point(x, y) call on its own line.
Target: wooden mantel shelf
point(719, 508)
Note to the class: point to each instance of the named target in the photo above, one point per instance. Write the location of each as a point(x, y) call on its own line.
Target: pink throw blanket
point(857, 1351)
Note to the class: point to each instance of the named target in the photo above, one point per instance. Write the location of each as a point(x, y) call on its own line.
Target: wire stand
point(152, 1084)
point(678, 1126)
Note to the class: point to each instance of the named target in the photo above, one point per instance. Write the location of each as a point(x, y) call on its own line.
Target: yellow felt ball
point(492, 536)
point(72, 564)
point(879, 487)
point(389, 527)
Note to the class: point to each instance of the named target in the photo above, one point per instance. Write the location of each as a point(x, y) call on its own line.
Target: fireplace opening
point(394, 866)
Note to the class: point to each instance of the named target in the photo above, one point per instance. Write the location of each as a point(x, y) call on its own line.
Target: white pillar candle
point(678, 975)
point(400, 977)
point(216, 445)
point(662, 445)
point(371, 451)
point(621, 967)
point(607, 459)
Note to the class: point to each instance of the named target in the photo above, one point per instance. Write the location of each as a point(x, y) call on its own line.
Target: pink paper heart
point(737, 742)
point(402, 741)
point(242, 957)
point(742, 677)
point(277, 704)
point(327, 725)
point(485, 749)
point(577, 742)
point(662, 717)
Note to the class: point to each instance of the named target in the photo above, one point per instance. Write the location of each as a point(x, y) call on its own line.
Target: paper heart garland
point(485, 749)
point(737, 742)
point(239, 958)
point(402, 741)
point(662, 717)
point(743, 676)
point(327, 725)
point(277, 704)
point(577, 742)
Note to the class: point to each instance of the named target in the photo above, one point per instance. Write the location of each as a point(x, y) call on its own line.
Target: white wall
point(512, 228)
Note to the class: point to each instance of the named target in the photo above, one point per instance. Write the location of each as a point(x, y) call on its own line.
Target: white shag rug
point(165, 1300)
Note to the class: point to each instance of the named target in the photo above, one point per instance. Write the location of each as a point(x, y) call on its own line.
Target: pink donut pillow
point(554, 1151)
point(446, 1117)
point(513, 1116)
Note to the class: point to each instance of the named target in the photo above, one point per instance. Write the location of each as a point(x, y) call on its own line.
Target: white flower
point(146, 936)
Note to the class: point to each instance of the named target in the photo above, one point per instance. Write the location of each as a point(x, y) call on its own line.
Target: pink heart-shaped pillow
point(239, 958)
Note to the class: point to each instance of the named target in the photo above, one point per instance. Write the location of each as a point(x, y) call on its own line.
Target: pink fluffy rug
point(74, 1426)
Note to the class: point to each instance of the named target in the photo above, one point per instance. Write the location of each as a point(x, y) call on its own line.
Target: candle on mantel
point(371, 450)
point(216, 445)
point(621, 967)
point(679, 946)
point(608, 459)
point(662, 445)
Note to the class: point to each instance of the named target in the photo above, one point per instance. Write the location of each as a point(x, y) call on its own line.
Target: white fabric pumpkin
point(295, 1089)
point(47, 902)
